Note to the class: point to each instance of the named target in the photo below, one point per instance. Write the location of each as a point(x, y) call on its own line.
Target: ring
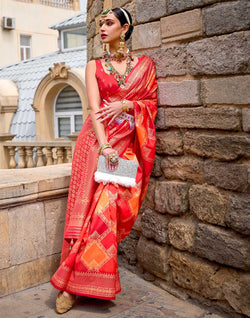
point(113, 158)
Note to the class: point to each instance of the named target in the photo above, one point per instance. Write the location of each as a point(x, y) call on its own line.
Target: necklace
point(117, 56)
point(120, 78)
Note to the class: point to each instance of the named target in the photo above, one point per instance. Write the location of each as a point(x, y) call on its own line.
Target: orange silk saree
point(99, 216)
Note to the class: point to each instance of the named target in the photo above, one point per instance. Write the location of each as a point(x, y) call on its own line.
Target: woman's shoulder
point(148, 59)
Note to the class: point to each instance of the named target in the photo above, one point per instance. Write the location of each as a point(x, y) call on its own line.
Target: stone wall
point(191, 235)
point(33, 205)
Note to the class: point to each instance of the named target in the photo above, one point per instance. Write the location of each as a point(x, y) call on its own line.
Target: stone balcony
point(32, 211)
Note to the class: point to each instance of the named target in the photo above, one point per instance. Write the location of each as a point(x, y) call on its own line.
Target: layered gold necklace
point(110, 67)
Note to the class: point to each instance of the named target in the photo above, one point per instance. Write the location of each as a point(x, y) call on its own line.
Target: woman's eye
point(109, 23)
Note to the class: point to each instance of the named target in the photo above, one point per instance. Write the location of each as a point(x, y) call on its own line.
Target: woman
point(122, 98)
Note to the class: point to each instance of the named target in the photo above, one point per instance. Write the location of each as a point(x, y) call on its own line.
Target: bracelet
point(124, 106)
point(104, 146)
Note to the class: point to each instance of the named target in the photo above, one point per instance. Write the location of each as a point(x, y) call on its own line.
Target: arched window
point(67, 112)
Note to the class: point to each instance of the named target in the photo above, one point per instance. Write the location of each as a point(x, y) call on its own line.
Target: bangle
point(124, 106)
point(104, 146)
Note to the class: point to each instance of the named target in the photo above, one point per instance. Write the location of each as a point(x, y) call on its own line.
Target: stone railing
point(30, 154)
point(65, 4)
point(38, 153)
point(33, 205)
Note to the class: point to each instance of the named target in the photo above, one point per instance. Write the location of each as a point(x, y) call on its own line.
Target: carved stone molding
point(60, 70)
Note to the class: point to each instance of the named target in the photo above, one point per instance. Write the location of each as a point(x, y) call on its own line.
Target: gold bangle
point(104, 146)
point(124, 106)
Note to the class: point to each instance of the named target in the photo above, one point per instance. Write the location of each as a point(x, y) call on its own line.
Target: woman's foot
point(64, 302)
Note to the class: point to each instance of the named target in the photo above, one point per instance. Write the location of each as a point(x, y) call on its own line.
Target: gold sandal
point(63, 304)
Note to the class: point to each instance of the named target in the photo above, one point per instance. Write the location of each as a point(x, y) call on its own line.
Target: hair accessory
point(126, 16)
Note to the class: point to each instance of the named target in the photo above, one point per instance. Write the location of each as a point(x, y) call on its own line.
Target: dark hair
point(122, 18)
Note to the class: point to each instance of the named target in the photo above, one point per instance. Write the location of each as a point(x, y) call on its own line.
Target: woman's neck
point(114, 47)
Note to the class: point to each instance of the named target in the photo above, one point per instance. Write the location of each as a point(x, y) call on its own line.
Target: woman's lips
point(103, 36)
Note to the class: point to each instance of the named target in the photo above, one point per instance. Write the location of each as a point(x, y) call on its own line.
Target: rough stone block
point(179, 93)
point(90, 49)
point(226, 175)
point(180, 5)
point(156, 171)
point(20, 277)
point(91, 30)
point(227, 90)
point(171, 197)
point(169, 142)
point(27, 233)
point(238, 216)
point(195, 274)
point(246, 119)
point(128, 245)
point(55, 211)
point(169, 60)
point(237, 292)
point(181, 233)
point(183, 168)
point(208, 204)
point(222, 246)
point(146, 36)
point(226, 54)
point(94, 10)
point(224, 118)
point(226, 17)
point(149, 200)
point(119, 3)
point(160, 119)
point(155, 226)
point(97, 47)
point(153, 257)
point(181, 26)
point(147, 11)
point(214, 145)
point(4, 240)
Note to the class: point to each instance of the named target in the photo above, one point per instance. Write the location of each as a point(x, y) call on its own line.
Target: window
point(67, 113)
point(25, 47)
point(74, 38)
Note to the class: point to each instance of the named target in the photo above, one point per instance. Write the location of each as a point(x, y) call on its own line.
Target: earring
point(121, 45)
point(105, 50)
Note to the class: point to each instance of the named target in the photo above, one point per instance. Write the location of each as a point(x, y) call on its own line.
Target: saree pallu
point(99, 216)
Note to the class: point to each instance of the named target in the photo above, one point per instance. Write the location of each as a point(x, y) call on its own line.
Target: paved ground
point(138, 299)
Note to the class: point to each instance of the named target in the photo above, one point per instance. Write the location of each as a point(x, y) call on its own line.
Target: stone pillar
point(4, 155)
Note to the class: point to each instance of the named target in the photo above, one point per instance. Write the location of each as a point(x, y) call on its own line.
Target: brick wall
point(191, 235)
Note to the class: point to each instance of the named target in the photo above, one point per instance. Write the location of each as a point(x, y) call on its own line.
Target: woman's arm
point(94, 101)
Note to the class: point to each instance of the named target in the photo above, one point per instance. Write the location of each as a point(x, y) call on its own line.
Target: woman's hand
point(110, 111)
point(107, 152)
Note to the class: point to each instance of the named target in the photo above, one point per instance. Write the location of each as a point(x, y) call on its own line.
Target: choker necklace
point(120, 78)
point(118, 57)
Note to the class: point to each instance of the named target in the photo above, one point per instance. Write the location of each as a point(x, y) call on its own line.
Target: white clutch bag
point(124, 175)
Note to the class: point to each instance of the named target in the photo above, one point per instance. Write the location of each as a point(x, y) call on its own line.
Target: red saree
point(99, 216)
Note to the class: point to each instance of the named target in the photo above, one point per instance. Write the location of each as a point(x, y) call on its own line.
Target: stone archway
point(59, 77)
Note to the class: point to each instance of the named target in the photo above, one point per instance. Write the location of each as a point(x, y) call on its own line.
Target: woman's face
point(111, 29)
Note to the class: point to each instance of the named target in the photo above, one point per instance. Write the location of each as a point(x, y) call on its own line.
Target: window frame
point(71, 48)
point(25, 46)
point(67, 114)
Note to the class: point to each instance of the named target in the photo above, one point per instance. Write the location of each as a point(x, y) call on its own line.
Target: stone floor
point(138, 299)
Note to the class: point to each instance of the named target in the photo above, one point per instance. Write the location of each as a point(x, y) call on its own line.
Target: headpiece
point(105, 13)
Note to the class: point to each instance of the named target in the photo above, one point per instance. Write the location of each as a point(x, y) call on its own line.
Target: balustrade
point(66, 4)
point(37, 153)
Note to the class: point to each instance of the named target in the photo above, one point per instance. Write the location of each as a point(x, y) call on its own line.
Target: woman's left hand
point(110, 111)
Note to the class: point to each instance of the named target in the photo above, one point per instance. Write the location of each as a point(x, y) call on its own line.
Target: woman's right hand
point(106, 153)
